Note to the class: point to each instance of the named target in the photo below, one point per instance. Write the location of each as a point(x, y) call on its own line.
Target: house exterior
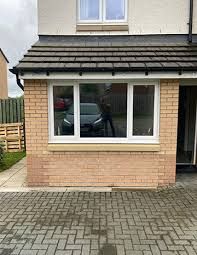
point(3, 76)
point(109, 87)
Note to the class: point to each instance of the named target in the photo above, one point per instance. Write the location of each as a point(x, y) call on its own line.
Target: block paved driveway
point(85, 223)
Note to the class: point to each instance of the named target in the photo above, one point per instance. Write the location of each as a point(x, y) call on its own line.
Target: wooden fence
point(12, 137)
point(11, 111)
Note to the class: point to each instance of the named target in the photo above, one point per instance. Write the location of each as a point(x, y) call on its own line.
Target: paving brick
point(28, 252)
point(96, 223)
point(61, 244)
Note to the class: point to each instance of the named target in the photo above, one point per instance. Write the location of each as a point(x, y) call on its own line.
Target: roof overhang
point(112, 56)
point(107, 75)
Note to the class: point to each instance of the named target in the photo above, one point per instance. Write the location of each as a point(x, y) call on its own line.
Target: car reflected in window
point(91, 121)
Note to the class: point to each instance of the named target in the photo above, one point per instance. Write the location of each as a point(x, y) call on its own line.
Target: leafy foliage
point(1, 152)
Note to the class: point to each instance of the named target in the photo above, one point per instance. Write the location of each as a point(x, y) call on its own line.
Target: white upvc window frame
point(90, 21)
point(102, 14)
point(156, 119)
point(131, 139)
point(115, 21)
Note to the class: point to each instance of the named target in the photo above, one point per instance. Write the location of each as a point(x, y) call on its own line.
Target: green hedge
point(1, 151)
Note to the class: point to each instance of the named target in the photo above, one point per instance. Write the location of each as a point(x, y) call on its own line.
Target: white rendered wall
point(144, 17)
point(56, 17)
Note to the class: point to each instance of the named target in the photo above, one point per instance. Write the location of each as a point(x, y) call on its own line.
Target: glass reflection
point(115, 9)
point(103, 110)
point(143, 110)
point(63, 110)
point(89, 9)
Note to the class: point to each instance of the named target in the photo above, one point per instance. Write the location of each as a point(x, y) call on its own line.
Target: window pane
point(63, 110)
point(115, 9)
point(103, 110)
point(143, 110)
point(89, 9)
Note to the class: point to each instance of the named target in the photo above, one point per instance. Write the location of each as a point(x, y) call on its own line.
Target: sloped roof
point(1, 51)
point(120, 53)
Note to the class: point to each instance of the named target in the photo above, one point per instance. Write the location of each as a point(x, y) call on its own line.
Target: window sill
point(104, 147)
point(101, 27)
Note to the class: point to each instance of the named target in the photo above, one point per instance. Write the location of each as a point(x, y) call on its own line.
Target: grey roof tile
point(137, 65)
point(121, 65)
point(104, 65)
point(86, 53)
point(72, 65)
point(88, 65)
point(171, 64)
point(153, 64)
point(112, 59)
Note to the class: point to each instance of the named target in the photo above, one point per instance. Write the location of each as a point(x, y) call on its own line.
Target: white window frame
point(130, 137)
point(115, 21)
point(88, 20)
point(156, 113)
point(102, 14)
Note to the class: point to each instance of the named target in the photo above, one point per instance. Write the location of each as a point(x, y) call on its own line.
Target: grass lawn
point(11, 158)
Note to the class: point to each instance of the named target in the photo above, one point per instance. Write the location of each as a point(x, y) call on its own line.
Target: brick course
point(136, 169)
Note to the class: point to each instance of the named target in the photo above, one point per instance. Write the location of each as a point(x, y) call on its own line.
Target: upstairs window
point(102, 10)
point(114, 10)
point(89, 10)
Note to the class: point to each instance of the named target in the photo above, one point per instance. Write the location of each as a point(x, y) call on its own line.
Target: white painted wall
point(144, 17)
point(195, 17)
point(56, 17)
point(158, 16)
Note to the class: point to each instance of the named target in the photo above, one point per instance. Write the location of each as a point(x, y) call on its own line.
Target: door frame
point(195, 142)
point(194, 157)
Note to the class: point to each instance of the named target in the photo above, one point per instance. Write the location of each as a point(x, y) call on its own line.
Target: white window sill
point(104, 147)
point(104, 23)
point(85, 27)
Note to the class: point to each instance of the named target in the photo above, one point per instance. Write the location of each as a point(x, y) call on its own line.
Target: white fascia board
point(109, 76)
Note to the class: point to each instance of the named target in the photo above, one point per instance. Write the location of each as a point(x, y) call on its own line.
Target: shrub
point(1, 151)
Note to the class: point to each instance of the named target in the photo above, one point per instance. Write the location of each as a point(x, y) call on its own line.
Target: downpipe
point(191, 13)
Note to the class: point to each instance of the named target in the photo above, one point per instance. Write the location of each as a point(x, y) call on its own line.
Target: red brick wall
point(137, 169)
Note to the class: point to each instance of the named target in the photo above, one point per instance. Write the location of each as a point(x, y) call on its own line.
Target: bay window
point(104, 112)
point(102, 10)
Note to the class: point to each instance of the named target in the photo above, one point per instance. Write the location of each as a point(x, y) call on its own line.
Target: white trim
point(129, 109)
point(157, 115)
point(51, 113)
point(155, 136)
point(76, 110)
point(129, 139)
point(108, 76)
point(71, 82)
point(102, 14)
point(102, 141)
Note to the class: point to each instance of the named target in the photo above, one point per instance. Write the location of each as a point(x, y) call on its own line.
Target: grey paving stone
point(51, 249)
point(63, 253)
point(61, 244)
point(83, 223)
point(28, 252)
point(41, 252)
